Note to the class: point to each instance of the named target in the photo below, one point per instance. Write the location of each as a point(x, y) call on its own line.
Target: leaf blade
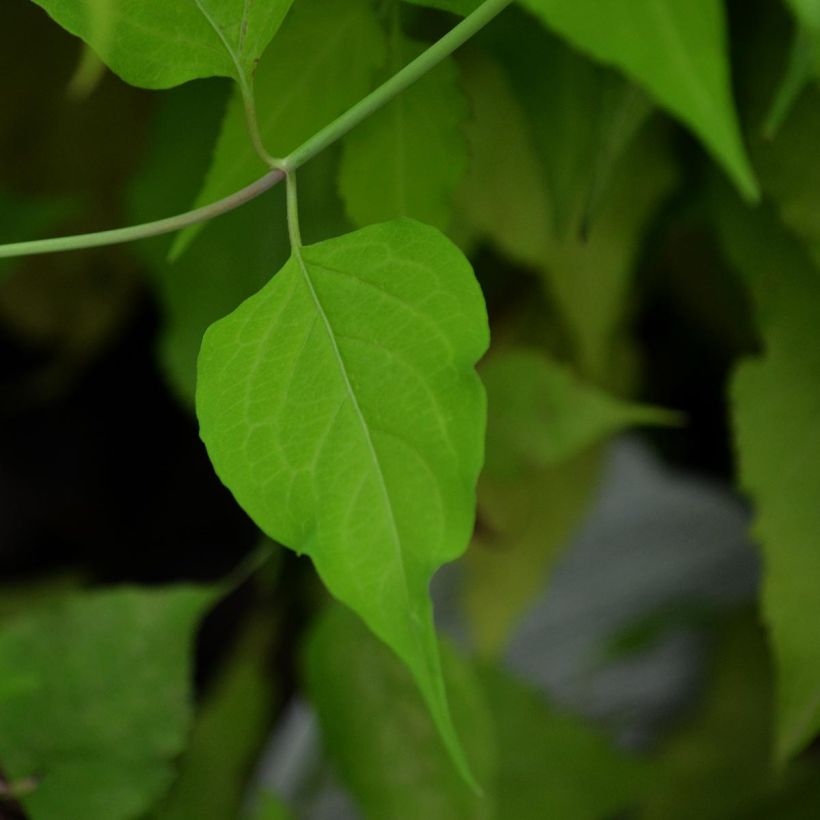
point(360, 442)
point(676, 50)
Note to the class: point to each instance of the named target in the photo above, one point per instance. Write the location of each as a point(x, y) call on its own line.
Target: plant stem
point(294, 232)
point(280, 168)
point(252, 121)
point(148, 229)
point(413, 71)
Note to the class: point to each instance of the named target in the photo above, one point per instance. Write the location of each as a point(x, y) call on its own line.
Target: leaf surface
point(326, 56)
point(341, 407)
point(552, 764)
point(540, 414)
point(159, 44)
point(101, 708)
point(544, 428)
point(676, 49)
point(408, 158)
point(462, 7)
point(395, 766)
point(776, 414)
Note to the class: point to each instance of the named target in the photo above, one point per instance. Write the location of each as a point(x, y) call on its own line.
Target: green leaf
point(676, 49)
point(236, 253)
point(717, 764)
point(524, 525)
point(415, 146)
point(378, 733)
point(583, 117)
point(807, 11)
point(462, 7)
point(790, 172)
point(775, 399)
point(540, 414)
point(340, 406)
point(503, 196)
point(105, 706)
point(801, 67)
point(270, 807)
point(552, 764)
point(581, 222)
point(159, 44)
point(326, 56)
point(230, 730)
point(542, 464)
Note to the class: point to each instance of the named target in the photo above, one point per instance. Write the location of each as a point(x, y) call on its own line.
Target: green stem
point(377, 99)
point(294, 230)
point(148, 229)
point(252, 121)
point(412, 72)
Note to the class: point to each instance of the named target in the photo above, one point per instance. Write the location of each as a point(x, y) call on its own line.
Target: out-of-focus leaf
point(717, 764)
point(229, 731)
point(407, 159)
point(799, 71)
point(24, 218)
point(541, 466)
point(552, 764)
point(237, 253)
point(775, 402)
point(379, 734)
point(325, 58)
point(159, 44)
point(540, 414)
point(677, 50)
point(790, 171)
point(270, 807)
point(105, 706)
point(524, 524)
point(503, 196)
point(341, 406)
point(462, 7)
point(598, 208)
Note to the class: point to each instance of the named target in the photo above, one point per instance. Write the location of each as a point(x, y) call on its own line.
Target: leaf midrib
point(351, 393)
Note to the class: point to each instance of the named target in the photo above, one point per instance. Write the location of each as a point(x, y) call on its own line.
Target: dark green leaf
point(676, 49)
point(101, 703)
point(378, 731)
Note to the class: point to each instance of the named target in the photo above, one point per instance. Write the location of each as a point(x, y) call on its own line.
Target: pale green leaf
point(102, 708)
point(407, 159)
point(552, 765)
point(341, 407)
point(676, 49)
point(775, 403)
point(326, 56)
point(159, 44)
point(378, 733)
point(540, 414)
